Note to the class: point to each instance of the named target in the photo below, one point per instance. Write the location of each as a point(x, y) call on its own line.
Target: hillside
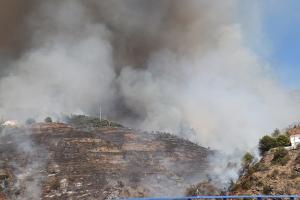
point(58, 161)
point(278, 172)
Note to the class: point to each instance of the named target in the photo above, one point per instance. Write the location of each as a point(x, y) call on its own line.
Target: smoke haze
point(179, 66)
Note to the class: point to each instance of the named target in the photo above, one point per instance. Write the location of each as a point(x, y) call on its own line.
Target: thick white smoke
point(62, 74)
point(179, 66)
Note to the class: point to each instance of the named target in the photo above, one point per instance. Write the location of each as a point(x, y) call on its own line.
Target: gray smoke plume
point(179, 66)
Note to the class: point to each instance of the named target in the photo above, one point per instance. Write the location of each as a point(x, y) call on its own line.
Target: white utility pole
point(100, 114)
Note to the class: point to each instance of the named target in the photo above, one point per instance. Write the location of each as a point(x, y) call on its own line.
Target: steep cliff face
point(68, 163)
point(278, 172)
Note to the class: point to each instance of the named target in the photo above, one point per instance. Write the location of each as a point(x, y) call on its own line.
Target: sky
point(281, 27)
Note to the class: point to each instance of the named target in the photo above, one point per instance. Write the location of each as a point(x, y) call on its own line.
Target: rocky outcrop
point(69, 163)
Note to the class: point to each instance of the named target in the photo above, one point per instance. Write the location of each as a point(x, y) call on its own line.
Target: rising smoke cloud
point(179, 66)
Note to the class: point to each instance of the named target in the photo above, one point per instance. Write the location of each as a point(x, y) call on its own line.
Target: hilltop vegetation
point(277, 172)
point(83, 121)
point(276, 139)
point(77, 121)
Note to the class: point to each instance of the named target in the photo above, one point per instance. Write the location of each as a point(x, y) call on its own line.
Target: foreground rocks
point(57, 161)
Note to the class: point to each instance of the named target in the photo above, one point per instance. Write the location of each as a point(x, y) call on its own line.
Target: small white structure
point(10, 123)
point(295, 139)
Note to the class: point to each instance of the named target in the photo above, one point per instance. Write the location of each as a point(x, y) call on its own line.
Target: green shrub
point(283, 141)
point(280, 156)
point(30, 121)
point(246, 164)
point(266, 143)
point(82, 121)
point(114, 124)
point(259, 167)
point(48, 120)
point(276, 133)
point(248, 158)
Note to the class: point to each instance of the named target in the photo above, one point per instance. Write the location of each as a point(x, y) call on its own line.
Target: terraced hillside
point(57, 161)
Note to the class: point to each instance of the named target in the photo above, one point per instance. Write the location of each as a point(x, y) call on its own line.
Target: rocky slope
point(57, 161)
point(278, 172)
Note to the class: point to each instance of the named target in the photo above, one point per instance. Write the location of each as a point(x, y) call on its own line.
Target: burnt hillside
point(104, 163)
